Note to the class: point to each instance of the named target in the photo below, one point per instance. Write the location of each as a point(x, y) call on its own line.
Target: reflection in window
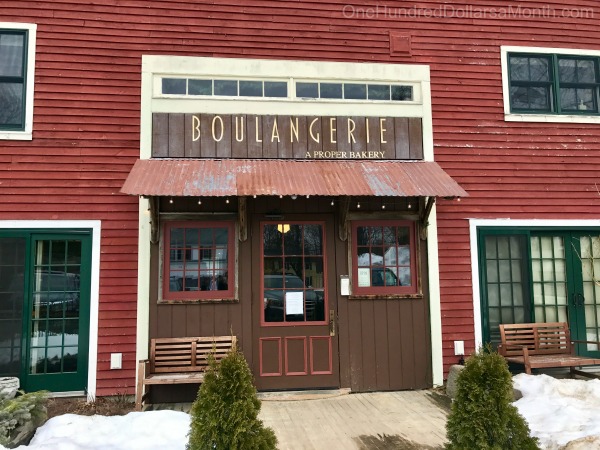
point(13, 55)
point(293, 272)
point(199, 260)
point(383, 253)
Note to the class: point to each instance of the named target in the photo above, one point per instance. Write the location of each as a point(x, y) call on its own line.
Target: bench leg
point(140, 388)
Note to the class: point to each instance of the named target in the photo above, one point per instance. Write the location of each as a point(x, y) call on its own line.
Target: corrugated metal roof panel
point(244, 177)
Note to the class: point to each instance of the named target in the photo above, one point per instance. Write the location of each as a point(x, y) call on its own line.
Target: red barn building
point(291, 173)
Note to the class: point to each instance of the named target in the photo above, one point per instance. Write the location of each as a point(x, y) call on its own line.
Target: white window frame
point(27, 133)
point(550, 118)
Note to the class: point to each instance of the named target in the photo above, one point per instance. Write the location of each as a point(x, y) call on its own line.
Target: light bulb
point(332, 202)
point(358, 205)
point(226, 200)
point(171, 201)
point(382, 206)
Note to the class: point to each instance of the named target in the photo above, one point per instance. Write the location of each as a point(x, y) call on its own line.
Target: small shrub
point(482, 416)
point(18, 411)
point(225, 414)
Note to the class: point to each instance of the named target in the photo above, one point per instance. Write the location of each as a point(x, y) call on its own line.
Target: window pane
point(313, 241)
point(307, 90)
point(578, 99)
point(355, 91)
point(226, 87)
point(331, 90)
point(379, 92)
point(576, 71)
point(539, 69)
point(11, 104)
point(292, 240)
point(276, 89)
point(11, 55)
point(173, 86)
point(200, 87)
point(272, 240)
point(519, 68)
point(402, 93)
point(251, 88)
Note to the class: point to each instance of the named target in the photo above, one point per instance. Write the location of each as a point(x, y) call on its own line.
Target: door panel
point(295, 347)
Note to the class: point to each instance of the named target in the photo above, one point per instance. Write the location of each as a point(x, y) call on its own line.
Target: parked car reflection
point(274, 300)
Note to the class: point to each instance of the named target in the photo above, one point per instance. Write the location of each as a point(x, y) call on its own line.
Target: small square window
point(379, 92)
point(355, 91)
point(276, 89)
point(331, 90)
point(402, 93)
point(174, 86)
point(226, 87)
point(251, 88)
point(198, 261)
point(307, 90)
point(384, 258)
point(199, 87)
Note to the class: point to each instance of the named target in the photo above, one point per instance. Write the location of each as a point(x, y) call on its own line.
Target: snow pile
point(152, 430)
point(564, 414)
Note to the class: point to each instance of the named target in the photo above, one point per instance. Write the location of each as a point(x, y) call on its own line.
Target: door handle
point(578, 299)
point(331, 322)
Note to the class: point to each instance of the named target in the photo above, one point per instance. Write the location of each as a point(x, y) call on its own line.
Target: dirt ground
point(105, 406)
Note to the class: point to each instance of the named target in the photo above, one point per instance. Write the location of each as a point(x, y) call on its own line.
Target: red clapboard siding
point(86, 122)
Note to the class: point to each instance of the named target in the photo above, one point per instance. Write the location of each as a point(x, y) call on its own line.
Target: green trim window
point(553, 84)
point(541, 275)
point(13, 77)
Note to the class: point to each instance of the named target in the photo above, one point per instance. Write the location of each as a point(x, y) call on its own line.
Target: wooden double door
point(295, 303)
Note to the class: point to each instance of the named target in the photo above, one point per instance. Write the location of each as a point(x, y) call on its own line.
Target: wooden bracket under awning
point(154, 203)
point(343, 207)
point(425, 206)
point(243, 218)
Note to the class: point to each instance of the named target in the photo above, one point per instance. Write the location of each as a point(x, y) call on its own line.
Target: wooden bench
point(179, 361)
point(542, 345)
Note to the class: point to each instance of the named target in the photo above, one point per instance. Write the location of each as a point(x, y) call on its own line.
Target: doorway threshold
point(308, 394)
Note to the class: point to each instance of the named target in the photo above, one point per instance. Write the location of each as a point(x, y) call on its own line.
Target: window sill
point(384, 296)
point(552, 118)
point(16, 135)
point(197, 301)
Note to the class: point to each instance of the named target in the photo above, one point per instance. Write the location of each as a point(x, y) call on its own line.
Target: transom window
point(13, 86)
point(384, 258)
point(550, 83)
point(353, 91)
point(199, 261)
point(293, 273)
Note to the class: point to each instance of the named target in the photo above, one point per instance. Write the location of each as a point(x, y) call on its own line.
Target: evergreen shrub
point(225, 413)
point(15, 412)
point(482, 415)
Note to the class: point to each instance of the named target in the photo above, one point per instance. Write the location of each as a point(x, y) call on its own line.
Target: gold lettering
point(307, 155)
point(382, 130)
point(294, 129)
point(195, 128)
point(332, 130)
point(367, 127)
point(275, 133)
point(214, 121)
point(239, 128)
point(351, 127)
point(256, 126)
point(343, 154)
point(317, 139)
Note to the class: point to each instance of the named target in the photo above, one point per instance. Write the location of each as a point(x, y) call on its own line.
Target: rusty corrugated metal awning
point(246, 177)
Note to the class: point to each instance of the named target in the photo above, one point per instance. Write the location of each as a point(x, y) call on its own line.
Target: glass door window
point(293, 273)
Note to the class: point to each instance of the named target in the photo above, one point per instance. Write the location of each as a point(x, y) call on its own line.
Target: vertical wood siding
point(87, 101)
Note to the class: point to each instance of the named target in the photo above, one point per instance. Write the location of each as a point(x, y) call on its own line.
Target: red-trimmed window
point(384, 257)
point(198, 260)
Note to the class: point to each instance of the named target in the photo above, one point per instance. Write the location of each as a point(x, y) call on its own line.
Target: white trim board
point(95, 226)
point(474, 224)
